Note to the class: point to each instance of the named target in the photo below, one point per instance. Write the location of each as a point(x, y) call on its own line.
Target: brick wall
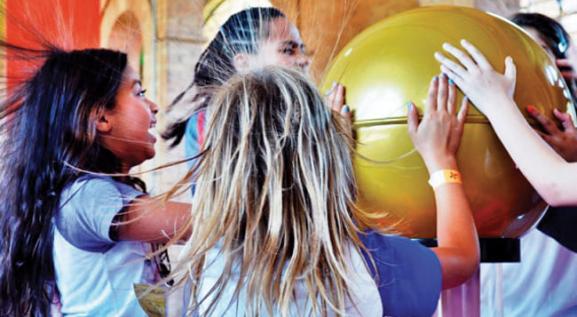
point(180, 43)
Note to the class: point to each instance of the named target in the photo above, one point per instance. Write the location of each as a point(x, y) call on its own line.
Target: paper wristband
point(442, 177)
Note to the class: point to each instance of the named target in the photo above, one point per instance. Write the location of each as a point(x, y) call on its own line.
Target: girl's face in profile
point(127, 128)
point(283, 47)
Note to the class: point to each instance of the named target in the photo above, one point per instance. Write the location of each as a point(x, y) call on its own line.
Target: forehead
point(130, 76)
point(539, 39)
point(282, 29)
point(535, 35)
point(129, 73)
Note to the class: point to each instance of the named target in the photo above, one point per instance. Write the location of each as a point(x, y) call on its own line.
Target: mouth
point(152, 132)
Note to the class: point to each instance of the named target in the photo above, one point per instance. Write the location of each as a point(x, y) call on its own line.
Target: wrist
point(443, 177)
point(442, 163)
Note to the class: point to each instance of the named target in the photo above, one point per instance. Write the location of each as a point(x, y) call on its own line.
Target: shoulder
point(95, 192)
point(407, 274)
point(87, 210)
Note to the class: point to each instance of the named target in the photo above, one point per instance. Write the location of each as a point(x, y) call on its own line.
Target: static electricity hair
point(48, 121)
point(241, 33)
point(275, 193)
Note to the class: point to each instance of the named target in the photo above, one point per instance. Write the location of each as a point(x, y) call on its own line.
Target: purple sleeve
point(88, 208)
point(407, 274)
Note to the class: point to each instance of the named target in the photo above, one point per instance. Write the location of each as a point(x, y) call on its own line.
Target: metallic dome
point(392, 63)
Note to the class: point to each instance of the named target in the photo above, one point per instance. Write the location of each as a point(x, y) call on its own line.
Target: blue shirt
point(408, 275)
point(194, 135)
point(94, 274)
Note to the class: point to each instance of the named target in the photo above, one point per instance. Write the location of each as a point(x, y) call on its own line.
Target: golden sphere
point(392, 63)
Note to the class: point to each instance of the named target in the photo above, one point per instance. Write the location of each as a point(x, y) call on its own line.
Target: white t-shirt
point(94, 274)
point(544, 283)
point(364, 291)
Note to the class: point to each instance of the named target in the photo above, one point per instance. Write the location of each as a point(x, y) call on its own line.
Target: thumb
point(510, 69)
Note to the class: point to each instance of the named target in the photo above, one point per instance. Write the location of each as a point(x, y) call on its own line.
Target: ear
point(241, 62)
point(103, 123)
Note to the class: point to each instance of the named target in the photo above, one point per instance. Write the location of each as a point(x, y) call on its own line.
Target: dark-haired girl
point(251, 38)
point(69, 237)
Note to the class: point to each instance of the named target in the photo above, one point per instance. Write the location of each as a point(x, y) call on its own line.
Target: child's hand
point(335, 99)
point(566, 68)
point(562, 141)
point(485, 87)
point(438, 136)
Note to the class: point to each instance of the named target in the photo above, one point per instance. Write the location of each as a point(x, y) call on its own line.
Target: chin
point(150, 154)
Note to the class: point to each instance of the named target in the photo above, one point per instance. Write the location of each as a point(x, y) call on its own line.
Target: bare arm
point(549, 173)
point(458, 249)
point(437, 138)
point(153, 220)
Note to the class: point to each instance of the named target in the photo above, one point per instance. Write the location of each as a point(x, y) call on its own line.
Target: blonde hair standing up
point(275, 193)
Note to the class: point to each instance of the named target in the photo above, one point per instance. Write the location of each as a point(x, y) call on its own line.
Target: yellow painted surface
point(392, 63)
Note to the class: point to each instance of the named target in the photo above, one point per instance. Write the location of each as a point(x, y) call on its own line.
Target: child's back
point(274, 231)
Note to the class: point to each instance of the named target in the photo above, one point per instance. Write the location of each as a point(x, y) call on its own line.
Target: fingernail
point(531, 109)
point(345, 109)
point(410, 106)
point(451, 82)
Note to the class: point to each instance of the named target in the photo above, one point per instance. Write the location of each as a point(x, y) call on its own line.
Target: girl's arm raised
point(153, 220)
point(437, 138)
point(491, 92)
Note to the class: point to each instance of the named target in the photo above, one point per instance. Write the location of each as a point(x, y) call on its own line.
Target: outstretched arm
point(152, 219)
point(490, 92)
point(437, 138)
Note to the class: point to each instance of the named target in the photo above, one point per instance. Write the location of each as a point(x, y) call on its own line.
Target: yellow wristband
point(442, 177)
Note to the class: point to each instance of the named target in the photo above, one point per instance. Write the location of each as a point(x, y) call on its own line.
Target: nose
point(303, 60)
point(153, 107)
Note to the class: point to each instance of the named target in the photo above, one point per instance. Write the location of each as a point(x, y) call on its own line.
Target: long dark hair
point(49, 121)
point(241, 33)
point(551, 31)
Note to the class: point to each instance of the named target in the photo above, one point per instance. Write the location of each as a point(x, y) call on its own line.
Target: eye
point(289, 50)
point(141, 93)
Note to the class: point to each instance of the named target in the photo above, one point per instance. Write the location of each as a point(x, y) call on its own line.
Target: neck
point(125, 168)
